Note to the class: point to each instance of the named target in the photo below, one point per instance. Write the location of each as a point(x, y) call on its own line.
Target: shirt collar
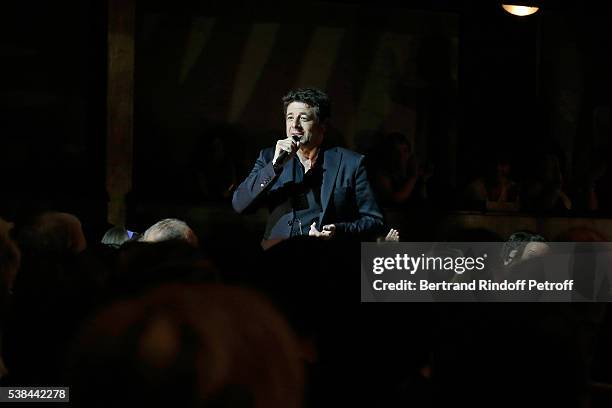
point(308, 164)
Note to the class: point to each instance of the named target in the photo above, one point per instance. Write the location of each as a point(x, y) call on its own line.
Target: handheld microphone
point(282, 156)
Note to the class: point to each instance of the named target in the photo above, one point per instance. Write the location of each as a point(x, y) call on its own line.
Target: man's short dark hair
point(315, 98)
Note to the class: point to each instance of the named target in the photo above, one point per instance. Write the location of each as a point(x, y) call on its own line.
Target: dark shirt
point(306, 197)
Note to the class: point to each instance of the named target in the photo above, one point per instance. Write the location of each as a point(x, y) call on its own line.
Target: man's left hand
point(327, 232)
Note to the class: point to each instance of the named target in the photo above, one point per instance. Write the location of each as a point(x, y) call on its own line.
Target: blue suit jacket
point(346, 196)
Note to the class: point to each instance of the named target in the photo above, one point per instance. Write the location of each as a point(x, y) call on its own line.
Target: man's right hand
point(285, 145)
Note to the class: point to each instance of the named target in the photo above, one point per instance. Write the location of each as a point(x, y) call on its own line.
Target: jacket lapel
point(331, 166)
point(286, 175)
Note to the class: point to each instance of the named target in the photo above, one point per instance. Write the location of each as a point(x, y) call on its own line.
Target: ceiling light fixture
point(520, 10)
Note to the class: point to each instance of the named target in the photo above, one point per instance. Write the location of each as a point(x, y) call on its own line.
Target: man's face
point(301, 121)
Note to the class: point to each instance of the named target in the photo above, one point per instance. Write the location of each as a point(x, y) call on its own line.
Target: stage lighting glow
point(520, 10)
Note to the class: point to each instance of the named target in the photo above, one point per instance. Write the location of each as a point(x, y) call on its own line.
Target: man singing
point(310, 189)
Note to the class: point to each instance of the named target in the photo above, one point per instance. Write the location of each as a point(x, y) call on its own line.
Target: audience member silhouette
point(188, 346)
point(542, 189)
point(169, 229)
point(143, 265)
point(58, 284)
point(496, 187)
point(586, 187)
point(395, 171)
point(115, 237)
point(521, 246)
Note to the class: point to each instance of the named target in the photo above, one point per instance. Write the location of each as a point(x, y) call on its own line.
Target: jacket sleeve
point(370, 222)
point(248, 194)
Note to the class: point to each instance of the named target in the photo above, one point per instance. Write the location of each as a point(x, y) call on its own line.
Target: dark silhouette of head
point(115, 237)
point(143, 265)
point(188, 346)
point(170, 229)
point(51, 233)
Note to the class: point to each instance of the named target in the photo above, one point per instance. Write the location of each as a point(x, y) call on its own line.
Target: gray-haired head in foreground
point(170, 229)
